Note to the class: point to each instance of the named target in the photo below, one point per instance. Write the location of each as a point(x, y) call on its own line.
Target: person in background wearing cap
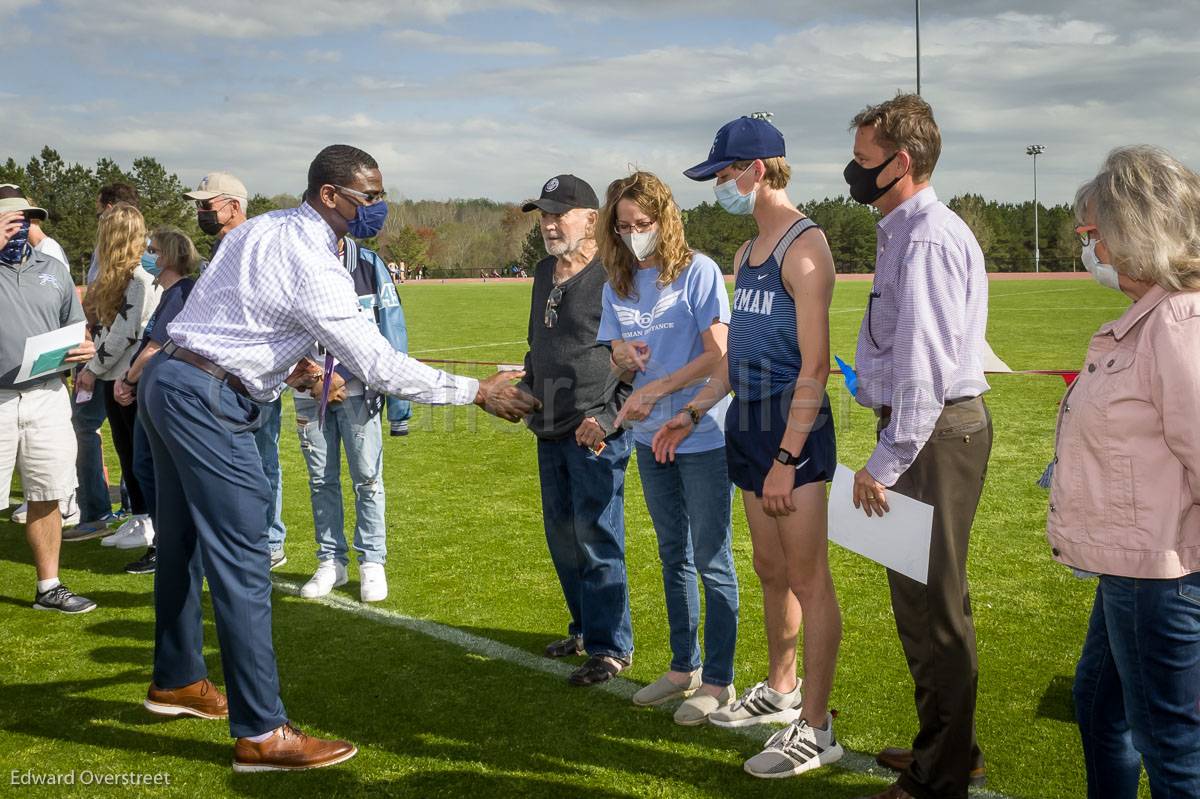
point(919, 364)
point(221, 202)
point(221, 205)
point(582, 453)
point(44, 244)
point(37, 296)
point(779, 441)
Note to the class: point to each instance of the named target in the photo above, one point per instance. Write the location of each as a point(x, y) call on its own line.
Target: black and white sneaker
point(795, 749)
point(760, 704)
point(62, 599)
point(145, 564)
point(278, 558)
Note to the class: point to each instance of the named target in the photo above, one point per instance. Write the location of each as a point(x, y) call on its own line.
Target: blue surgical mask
point(731, 198)
point(368, 220)
point(14, 252)
point(150, 263)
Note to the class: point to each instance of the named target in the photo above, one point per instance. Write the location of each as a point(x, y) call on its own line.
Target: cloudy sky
point(487, 98)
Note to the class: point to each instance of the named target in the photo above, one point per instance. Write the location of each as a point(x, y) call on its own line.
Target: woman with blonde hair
point(1125, 493)
point(666, 313)
point(173, 258)
point(121, 300)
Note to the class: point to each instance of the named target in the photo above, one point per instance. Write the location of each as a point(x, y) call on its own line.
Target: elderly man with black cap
point(582, 454)
point(37, 296)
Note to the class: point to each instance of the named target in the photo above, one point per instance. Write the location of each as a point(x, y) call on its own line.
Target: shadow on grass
point(1058, 701)
point(64, 712)
point(430, 719)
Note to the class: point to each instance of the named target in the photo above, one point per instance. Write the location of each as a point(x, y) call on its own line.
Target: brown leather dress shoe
point(898, 759)
point(894, 791)
point(200, 699)
point(288, 749)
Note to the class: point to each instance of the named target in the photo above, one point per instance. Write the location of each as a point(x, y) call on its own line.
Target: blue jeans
point(1137, 688)
point(93, 497)
point(212, 509)
point(583, 511)
point(689, 503)
point(266, 439)
point(346, 423)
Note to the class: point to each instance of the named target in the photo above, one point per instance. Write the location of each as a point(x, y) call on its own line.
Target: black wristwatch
point(786, 458)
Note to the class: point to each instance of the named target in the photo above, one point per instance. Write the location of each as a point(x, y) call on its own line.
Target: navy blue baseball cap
point(743, 139)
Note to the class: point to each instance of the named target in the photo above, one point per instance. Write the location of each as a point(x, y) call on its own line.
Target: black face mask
point(208, 222)
point(862, 181)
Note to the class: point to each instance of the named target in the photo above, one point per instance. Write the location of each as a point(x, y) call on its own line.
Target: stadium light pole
point(918, 18)
point(1035, 150)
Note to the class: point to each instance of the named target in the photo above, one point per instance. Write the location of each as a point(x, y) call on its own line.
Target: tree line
point(461, 238)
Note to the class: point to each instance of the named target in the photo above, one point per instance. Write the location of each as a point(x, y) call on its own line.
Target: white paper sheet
point(899, 539)
point(48, 347)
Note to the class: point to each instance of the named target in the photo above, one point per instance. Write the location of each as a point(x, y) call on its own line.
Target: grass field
point(467, 551)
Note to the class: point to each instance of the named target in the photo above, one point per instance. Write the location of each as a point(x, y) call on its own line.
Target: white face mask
point(1104, 274)
point(642, 245)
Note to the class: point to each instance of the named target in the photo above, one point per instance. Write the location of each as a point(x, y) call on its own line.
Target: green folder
point(50, 361)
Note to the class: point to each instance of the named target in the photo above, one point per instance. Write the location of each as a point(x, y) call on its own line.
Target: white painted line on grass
point(618, 686)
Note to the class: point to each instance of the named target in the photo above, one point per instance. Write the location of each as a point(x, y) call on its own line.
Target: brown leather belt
point(886, 410)
point(173, 350)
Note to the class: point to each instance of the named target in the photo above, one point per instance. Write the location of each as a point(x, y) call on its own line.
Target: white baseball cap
point(218, 184)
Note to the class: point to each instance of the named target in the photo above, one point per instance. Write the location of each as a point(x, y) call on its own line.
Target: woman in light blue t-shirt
point(666, 313)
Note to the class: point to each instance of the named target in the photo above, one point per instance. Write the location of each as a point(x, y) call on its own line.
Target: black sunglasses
point(551, 317)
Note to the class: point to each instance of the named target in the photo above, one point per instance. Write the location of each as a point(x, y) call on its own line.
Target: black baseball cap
point(743, 139)
point(562, 193)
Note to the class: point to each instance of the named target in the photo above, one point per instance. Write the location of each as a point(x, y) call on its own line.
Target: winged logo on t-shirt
point(633, 317)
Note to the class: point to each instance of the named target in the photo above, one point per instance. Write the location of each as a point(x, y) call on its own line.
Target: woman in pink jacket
point(1125, 496)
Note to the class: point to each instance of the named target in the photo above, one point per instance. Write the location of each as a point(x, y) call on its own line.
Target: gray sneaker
point(278, 558)
point(64, 600)
point(795, 749)
point(664, 689)
point(759, 705)
point(86, 531)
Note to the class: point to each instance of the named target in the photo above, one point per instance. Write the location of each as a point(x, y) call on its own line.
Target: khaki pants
point(934, 620)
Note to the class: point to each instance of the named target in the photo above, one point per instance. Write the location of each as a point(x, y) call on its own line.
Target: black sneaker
point(278, 558)
point(63, 600)
point(567, 647)
point(144, 565)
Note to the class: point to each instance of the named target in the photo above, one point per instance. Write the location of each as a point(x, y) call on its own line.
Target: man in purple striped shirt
point(920, 368)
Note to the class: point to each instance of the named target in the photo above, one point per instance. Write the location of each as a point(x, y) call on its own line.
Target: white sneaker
point(329, 575)
point(760, 704)
point(144, 537)
point(372, 582)
point(69, 509)
point(795, 749)
point(130, 530)
point(66, 507)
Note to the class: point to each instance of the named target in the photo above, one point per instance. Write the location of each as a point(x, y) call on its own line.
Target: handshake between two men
point(497, 394)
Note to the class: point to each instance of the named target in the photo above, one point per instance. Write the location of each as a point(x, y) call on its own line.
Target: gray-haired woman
point(1125, 496)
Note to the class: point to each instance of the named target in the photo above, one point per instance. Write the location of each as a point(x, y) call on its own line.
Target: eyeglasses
point(1087, 233)
point(551, 317)
point(624, 228)
point(368, 199)
point(207, 205)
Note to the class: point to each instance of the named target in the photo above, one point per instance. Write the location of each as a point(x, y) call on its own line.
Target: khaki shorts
point(37, 438)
